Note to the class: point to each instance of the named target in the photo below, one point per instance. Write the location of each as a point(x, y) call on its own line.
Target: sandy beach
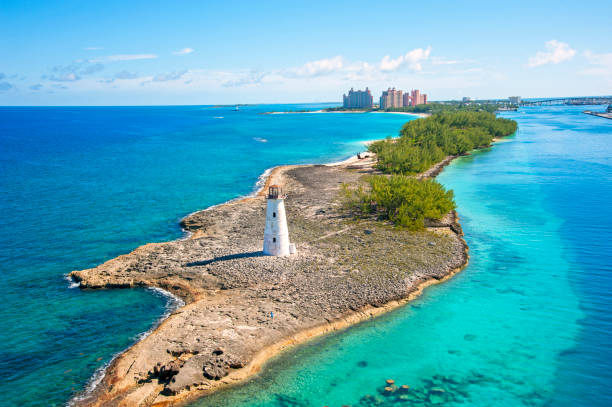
point(422, 115)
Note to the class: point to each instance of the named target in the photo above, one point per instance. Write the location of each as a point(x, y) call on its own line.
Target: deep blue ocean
point(526, 323)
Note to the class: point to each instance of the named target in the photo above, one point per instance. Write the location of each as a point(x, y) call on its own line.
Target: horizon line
point(299, 103)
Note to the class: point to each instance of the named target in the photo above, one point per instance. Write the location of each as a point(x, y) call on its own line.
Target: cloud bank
point(556, 52)
point(412, 60)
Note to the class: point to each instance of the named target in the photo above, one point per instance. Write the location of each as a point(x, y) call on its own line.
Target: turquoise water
point(83, 185)
point(525, 324)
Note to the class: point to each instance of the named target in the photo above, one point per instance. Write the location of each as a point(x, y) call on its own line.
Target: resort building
point(358, 99)
point(391, 98)
point(418, 98)
point(407, 99)
point(415, 98)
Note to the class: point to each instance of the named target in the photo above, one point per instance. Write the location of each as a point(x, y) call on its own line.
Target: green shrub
point(405, 201)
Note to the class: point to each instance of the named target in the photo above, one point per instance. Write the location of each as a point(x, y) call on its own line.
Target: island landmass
point(606, 115)
point(357, 258)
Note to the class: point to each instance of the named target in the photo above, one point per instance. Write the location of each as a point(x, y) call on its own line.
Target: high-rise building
point(391, 98)
point(397, 98)
point(415, 98)
point(358, 99)
point(407, 99)
point(515, 100)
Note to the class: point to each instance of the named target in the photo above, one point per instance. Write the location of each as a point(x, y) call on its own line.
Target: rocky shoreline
point(241, 307)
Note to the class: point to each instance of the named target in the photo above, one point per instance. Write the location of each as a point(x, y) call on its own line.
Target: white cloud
point(388, 64)
point(317, 68)
point(443, 61)
point(320, 79)
point(171, 76)
point(336, 67)
point(126, 75)
point(604, 60)
point(74, 71)
point(64, 77)
point(184, 51)
point(412, 59)
point(130, 57)
point(556, 51)
point(601, 64)
point(6, 86)
point(89, 69)
point(252, 78)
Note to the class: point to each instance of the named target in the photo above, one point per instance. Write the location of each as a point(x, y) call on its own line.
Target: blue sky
point(204, 52)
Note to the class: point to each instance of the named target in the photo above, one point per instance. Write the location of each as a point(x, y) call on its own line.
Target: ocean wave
point(173, 303)
point(71, 282)
point(261, 181)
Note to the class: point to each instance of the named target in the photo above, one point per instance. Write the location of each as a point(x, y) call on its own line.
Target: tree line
point(403, 199)
point(424, 142)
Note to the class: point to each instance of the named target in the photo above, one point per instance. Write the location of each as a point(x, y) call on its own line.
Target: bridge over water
point(585, 100)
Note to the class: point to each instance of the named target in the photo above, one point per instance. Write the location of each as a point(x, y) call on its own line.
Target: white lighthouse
point(276, 234)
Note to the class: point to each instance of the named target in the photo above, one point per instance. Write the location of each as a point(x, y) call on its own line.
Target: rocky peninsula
point(242, 307)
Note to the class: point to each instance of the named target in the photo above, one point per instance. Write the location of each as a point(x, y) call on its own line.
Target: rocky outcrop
point(241, 307)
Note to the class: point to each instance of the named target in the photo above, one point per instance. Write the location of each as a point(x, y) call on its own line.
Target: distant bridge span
point(585, 100)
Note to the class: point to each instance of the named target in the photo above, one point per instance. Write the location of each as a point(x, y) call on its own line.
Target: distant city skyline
point(141, 53)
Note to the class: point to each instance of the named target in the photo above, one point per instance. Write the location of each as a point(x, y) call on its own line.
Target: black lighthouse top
point(275, 192)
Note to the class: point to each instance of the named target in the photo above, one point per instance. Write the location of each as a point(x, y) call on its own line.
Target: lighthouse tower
point(276, 234)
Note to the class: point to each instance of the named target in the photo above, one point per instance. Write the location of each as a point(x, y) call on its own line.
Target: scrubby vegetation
point(405, 201)
point(435, 108)
point(424, 142)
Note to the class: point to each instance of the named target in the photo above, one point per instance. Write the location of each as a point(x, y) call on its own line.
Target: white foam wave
point(71, 282)
point(173, 303)
point(261, 181)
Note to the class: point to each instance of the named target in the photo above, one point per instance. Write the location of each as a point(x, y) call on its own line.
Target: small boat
point(236, 109)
